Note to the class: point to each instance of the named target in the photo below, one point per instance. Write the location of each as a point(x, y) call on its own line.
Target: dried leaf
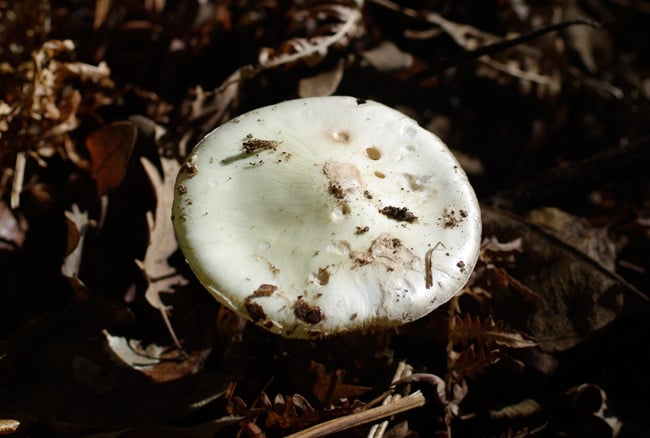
point(577, 232)
point(102, 9)
point(48, 94)
point(206, 109)
point(161, 277)
point(579, 295)
point(472, 361)
point(12, 228)
point(110, 149)
point(133, 353)
point(347, 24)
point(487, 333)
point(329, 387)
point(9, 426)
point(302, 404)
point(77, 223)
point(586, 41)
point(160, 363)
point(323, 84)
point(387, 57)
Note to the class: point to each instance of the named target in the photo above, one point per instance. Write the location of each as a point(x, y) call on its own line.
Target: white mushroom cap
point(322, 215)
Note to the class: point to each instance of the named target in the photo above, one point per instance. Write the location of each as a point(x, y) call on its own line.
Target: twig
point(519, 73)
point(459, 33)
point(407, 403)
point(19, 178)
point(403, 370)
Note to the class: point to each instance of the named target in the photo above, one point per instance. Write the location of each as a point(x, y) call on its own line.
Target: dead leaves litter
point(105, 365)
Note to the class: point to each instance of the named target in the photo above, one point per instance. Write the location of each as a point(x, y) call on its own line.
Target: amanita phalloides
point(323, 215)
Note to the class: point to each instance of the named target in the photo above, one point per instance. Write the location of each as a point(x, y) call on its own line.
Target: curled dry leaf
point(48, 96)
point(160, 364)
point(311, 48)
point(110, 149)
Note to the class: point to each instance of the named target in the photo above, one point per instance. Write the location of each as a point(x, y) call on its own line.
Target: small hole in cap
point(379, 174)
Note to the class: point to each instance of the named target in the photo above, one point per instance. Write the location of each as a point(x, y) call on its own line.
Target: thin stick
point(407, 403)
point(19, 177)
point(378, 430)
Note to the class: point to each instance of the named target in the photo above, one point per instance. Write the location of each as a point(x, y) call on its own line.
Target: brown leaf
point(110, 149)
point(577, 232)
point(472, 361)
point(579, 295)
point(487, 333)
point(329, 387)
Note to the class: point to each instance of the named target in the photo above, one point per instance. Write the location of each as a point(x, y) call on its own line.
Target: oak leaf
point(161, 277)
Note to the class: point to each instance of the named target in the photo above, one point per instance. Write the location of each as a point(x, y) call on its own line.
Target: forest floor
point(104, 330)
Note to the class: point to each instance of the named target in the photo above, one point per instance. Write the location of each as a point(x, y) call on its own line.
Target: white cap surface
point(322, 215)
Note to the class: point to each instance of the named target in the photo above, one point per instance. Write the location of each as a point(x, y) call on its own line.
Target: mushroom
point(322, 215)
